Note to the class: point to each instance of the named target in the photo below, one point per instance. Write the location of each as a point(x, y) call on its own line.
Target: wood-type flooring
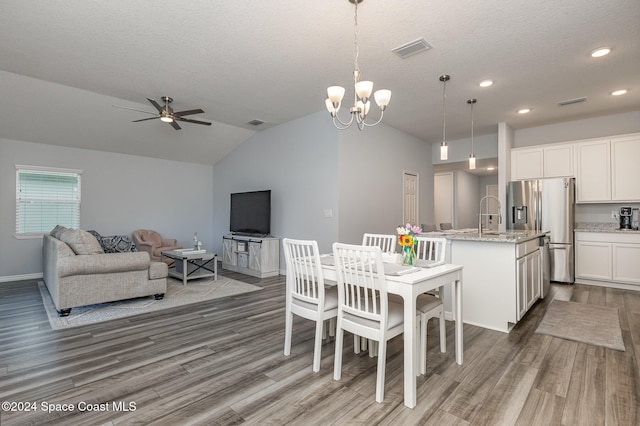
point(221, 363)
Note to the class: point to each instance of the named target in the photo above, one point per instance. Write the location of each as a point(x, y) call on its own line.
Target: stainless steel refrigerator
point(546, 205)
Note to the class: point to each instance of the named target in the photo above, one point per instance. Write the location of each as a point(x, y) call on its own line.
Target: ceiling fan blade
point(134, 109)
point(155, 104)
point(188, 120)
point(189, 112)
point(145, 119)
point(175, 125)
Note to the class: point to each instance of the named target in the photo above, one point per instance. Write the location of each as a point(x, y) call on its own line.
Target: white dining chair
point(429, 306)
point(306, 294)
point(364, 308)
point(387, 243)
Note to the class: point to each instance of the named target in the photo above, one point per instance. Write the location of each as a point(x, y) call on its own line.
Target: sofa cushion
point(158, 270)
point(81, 242)
point(57, 231)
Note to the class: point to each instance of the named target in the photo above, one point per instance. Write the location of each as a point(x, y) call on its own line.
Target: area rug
point(580, 322)
point(177, 295)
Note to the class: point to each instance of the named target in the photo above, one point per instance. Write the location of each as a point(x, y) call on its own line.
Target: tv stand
point(251, 255)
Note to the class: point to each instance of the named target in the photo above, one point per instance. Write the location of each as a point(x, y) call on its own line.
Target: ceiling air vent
point(255, 122)
point(572, 101)
point(412, 48)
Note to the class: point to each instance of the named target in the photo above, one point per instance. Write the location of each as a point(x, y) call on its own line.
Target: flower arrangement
point(407, 239)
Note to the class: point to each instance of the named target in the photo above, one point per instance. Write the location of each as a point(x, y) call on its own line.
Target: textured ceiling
point(272, 60)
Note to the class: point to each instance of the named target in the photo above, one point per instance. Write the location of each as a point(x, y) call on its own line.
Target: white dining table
point(409, 286)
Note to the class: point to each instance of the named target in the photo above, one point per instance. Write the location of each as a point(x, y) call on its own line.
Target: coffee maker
point(625, 217)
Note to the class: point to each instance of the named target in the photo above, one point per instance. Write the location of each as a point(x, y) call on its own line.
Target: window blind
point(46, 198)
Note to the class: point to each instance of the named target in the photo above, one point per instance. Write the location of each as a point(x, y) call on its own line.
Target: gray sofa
point(77, 272)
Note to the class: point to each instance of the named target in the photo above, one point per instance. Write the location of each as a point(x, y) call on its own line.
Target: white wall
point(607, 125)
point(120, 193)
point(371, 166)
point(298, 162)
point(311, 167)
point(468, 194)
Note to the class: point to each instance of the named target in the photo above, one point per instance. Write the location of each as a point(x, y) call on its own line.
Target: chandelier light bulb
point(335, 94)
point(364, 89)
point(382, 98)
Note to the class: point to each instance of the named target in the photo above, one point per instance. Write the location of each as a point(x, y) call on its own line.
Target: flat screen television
point(250, 213)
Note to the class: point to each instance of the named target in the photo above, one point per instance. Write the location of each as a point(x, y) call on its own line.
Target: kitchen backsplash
point(600, 213)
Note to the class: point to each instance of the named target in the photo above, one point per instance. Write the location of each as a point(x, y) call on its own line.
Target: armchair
point(153, 243)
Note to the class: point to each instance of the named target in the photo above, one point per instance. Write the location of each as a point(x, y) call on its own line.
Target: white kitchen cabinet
point(593, 260)
point(626, 263)
point(607, 170)
point(558, 161)
point(593, 171)
point(527, 163)
point(528, 276)
point(625, 169)
point(255, 256)
point(554, 160)
point(608, 258)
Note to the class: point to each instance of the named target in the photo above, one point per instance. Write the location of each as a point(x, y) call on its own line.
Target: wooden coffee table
point(190, 265)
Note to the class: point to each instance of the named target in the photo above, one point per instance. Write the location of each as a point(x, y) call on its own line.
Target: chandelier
point(361, 98)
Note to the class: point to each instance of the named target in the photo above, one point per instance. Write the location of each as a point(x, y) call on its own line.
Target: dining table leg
point(410, 346)
point(457, 297)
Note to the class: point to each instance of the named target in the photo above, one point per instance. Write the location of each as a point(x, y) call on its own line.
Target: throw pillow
point(81, 242)
point(57, 231)
point(115, 243)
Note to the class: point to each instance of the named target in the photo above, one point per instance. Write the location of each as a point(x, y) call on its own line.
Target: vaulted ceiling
point(272, 61)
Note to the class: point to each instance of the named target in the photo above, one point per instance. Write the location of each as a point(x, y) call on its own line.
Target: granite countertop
point(508, 236)
point(602, 227)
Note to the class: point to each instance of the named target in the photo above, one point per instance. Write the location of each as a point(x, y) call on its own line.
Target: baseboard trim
point(23, 277)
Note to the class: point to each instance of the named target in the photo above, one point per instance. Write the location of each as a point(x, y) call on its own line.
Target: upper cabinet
point(593, 177)
point(608, 171)
point(625, 169)
point(542, 162)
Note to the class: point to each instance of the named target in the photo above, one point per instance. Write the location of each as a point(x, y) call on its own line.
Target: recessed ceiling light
point(486, 83)
point(524, 110)
point(601, 51)
point(619, 92)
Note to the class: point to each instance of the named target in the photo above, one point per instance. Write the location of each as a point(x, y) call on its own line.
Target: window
point(46, 197)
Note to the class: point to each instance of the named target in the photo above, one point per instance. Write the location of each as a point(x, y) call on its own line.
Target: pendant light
point(472, 157)
point(444, 149)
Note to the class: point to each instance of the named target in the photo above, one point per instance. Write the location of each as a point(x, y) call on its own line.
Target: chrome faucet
point(480, 214)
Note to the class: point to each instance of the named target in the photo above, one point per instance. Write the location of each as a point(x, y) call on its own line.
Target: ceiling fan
point(167, 114)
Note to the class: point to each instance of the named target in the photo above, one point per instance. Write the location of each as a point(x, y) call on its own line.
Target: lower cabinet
point(255, 256)
point(529, 278)
point(608, 258)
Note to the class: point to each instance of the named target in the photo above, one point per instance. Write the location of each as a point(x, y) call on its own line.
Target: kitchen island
point(503, 273)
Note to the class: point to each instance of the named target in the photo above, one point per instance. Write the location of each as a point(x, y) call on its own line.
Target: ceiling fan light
point(166, 119)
